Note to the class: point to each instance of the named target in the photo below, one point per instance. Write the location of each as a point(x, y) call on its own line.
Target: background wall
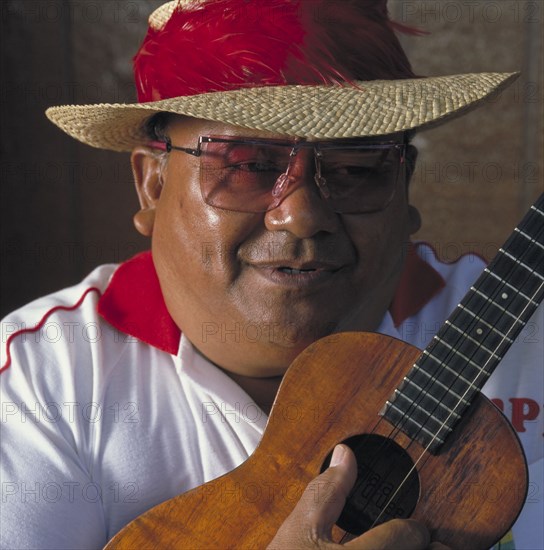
point(479, 174)
point(67, 207)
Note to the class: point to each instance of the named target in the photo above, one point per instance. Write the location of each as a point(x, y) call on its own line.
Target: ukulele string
point(464, 333)
point(396, 429)
point(482, 372)
point(425, 451)
point(387, 442)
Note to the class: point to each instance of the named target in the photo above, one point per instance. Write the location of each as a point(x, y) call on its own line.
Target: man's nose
point(302, 210)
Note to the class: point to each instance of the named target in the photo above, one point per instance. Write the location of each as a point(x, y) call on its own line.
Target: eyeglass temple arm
point(167, 146)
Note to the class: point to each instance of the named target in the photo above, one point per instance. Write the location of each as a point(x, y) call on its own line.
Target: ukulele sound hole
point(386, 485)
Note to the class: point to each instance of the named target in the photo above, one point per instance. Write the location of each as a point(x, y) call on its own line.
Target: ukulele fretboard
point(463, 354)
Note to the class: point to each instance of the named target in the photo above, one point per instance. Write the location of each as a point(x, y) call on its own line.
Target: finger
point(324, 498)
point(401, 534)
point(309, 524)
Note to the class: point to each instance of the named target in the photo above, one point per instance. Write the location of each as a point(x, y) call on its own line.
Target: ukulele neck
point(452, 370)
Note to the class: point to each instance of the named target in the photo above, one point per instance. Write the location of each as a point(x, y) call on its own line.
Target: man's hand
point(309, 524)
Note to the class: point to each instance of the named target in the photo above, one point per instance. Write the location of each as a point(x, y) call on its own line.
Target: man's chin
point(266, 360)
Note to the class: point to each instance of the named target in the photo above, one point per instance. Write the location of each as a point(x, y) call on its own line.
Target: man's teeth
point(293, 271)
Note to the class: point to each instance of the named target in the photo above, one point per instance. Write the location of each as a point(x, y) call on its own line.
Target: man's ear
point(414, 219)
point(146, 168)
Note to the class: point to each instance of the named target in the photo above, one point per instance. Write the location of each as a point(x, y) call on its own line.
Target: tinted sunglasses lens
point(361, 180)
point(240, 176)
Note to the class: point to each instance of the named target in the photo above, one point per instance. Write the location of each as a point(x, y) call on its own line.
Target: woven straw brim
point(372, 108)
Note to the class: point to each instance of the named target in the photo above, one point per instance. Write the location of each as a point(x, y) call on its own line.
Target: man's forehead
point(188, 128)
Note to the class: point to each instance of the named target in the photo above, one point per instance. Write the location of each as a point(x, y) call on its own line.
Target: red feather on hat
point(218, 45)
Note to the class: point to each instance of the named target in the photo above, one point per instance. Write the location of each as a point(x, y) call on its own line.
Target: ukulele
point(428, 444)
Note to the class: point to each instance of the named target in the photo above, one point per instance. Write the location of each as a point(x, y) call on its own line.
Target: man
point(278, 214)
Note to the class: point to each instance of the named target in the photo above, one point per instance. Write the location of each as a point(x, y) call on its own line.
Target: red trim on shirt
point(418, 284)
point(133, 303)
point(42, 323)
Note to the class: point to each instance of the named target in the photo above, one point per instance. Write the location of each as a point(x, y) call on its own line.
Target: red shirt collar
point(133, 301)
point(419, 283)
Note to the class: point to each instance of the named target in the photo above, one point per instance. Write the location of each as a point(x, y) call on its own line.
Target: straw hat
point(325, 108)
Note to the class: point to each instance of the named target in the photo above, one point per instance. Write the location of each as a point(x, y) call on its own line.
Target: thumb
point(321, 503)
point(325, 497)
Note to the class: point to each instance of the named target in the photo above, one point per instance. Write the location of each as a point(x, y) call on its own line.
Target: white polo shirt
point(107, 410)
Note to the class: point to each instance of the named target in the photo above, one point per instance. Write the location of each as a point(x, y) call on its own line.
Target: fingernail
point(337, 455)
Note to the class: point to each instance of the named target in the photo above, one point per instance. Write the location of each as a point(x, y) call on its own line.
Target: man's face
point(252, 290)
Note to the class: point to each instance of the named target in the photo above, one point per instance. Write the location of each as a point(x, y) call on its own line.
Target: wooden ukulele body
point(470, 492)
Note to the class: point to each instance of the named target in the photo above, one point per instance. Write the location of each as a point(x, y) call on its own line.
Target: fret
point(461, 357)
point(418, 392)
point(479, 321)
point(521, 250)
point(506, 268)
point(530, 269)
point(443, 394)
point(491, 302)
point(469, 361)
point(505, 323)
point(477, 342)
point(481, 358)
point(421, 408)
point(413, 419)
point(529, 238)
point(534, 208)
point(505, 283)
point(521, 235)
point(400, 420)
point(510, 300)
point(532, 225)
point(446, 369)
point(458, 362)
point(436, 381)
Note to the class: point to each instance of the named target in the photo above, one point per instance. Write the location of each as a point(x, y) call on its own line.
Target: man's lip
point(300, 266)
point(307, 275)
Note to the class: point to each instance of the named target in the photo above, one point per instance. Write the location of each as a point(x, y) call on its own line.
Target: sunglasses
point(255, 175)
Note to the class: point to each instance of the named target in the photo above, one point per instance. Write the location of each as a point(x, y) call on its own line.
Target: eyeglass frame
point(296, 144)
